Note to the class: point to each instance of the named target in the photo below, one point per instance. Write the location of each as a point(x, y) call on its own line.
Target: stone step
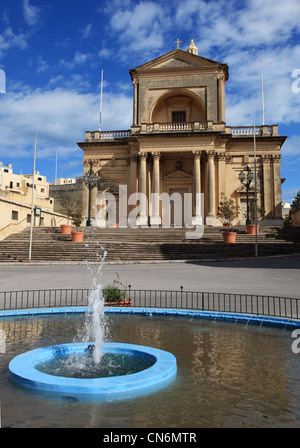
point(145, 244)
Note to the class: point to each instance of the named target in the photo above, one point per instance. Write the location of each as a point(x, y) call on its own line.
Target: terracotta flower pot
point(229, 237)
point(65, 228)
point(251, 229)
point(77, 237)
point(123, 303)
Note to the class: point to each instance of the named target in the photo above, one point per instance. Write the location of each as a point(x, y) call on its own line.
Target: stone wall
point(16, 216)
point(61, 192)
point(296, 218)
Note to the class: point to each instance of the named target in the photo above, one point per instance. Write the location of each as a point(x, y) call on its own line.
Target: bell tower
point(179, 86)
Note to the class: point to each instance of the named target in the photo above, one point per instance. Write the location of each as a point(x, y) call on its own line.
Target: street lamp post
point(90, 180)
point(246, 180)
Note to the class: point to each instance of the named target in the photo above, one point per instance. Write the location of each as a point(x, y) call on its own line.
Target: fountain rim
point(256, 319)
point(22, 369)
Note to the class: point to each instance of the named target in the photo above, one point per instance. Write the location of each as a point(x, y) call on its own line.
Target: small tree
point(260, 211)
point(227, 211)
point(296, 201)
point(73, 210)
point(77, 214)
point(67, 207)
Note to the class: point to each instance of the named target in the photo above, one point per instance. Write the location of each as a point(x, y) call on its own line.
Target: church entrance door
point(177, 206)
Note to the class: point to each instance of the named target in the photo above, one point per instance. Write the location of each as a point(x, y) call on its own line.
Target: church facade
point(180, 145)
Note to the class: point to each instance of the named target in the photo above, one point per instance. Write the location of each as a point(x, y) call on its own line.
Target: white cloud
point(79, 59)
point(141, 26)
point(8, 40)
point(60, 118)
point(31, 13)
point(292, 147)
point(86, 31)
point(42, 65)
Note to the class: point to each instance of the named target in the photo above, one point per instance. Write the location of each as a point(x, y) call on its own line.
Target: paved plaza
point(266, 276)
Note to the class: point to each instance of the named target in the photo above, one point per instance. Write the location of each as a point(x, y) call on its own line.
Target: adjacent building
point(16, 201)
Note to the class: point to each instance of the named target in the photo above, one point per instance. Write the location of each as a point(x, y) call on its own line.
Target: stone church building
point(179, 142)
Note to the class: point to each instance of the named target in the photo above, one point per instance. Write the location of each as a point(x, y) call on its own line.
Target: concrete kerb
point(135, 262)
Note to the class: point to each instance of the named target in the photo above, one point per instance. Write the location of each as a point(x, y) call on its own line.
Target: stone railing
point(246, 131)
point(107, 135)
point(196, 126)
point(169, 127)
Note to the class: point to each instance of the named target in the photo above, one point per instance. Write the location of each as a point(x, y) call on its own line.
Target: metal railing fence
point(180, 299)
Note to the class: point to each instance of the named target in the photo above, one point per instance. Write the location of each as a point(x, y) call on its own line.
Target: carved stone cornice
point(156, 155)
point(221, 76)
point(143, 155)
point(93, 162)
point(277, 158)
point(267, 158)
point(210, 154)
point(221, 156)
point(228, 159)
point(197, 154)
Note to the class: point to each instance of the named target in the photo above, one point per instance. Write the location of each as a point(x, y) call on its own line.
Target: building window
point(42, 190)
point(11, 185)
point(29, 219)
point(178, 117)
point(14, 215)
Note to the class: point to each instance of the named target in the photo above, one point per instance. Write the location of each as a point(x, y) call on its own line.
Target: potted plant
point(114, 295)
point(67, 209)
point(77, 218)
point(260, 212)
point(227, 211)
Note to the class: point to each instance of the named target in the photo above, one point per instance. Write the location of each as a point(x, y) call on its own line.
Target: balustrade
point(249, 130)
point(107, 135)
point(238, 131)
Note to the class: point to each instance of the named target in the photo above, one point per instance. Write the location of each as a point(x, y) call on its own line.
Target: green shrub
point(113, 294)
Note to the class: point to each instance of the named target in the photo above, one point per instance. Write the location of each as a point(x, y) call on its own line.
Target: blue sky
point(52, 53)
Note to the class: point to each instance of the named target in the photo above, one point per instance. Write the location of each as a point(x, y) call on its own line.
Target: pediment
point(243, 190)
point(178, 174)
point(175, 63)
point(178, 59)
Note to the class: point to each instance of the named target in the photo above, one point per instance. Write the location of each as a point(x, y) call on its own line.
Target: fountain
point(107, 371)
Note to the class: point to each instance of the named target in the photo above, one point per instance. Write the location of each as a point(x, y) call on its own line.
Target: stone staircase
point(145, 245)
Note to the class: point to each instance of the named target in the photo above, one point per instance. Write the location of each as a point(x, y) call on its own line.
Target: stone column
point(135, 101)
point(155, 218)
point(143, 219)
point(211, 217)
point(277, 186)
point(133, 176)
point(267, 185)
point(197, 219)
point(221, 99)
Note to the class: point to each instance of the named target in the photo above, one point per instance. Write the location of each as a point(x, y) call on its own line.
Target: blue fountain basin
point(22, 370)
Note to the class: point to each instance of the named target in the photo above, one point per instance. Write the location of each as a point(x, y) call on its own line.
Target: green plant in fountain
point(115, 292)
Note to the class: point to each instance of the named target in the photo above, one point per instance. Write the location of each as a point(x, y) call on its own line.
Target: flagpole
point(32, 200)
point(100, 121)
point(262, 94)
point(255, 188)
point(55, 168)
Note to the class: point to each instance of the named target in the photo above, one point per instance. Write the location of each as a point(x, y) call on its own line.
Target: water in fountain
point(95, 323)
